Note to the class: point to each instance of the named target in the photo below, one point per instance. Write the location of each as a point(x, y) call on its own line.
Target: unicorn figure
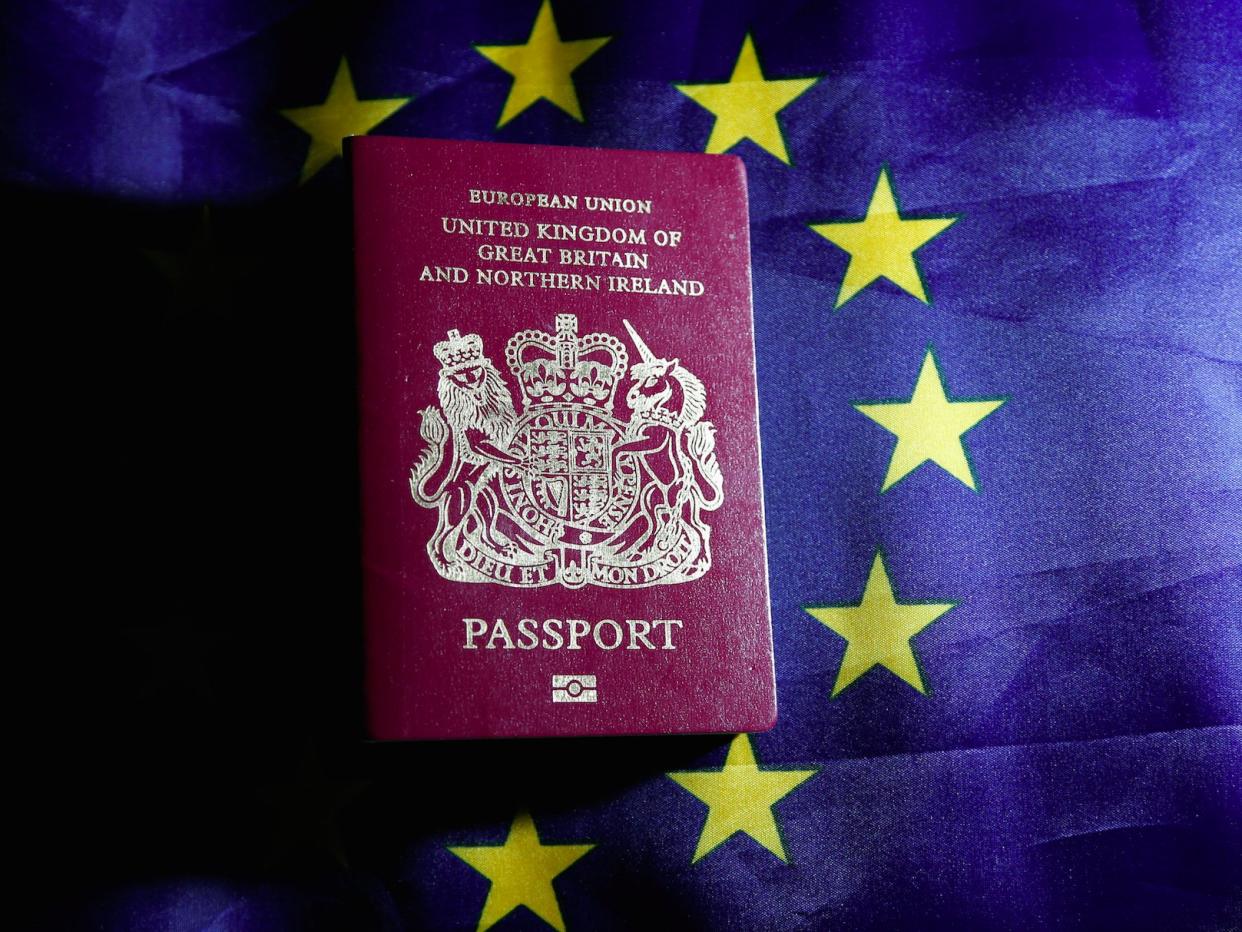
point(671, 451)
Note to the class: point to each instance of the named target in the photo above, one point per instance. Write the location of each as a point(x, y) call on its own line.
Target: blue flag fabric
point(1059, 747)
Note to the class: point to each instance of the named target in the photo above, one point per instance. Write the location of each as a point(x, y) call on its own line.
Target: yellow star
point(929, 427)
point(878, 629)
point(521, 871)
point(740, 798)
point(746, 105)
point(542, 67)
point(341, 115)
point(882, 244)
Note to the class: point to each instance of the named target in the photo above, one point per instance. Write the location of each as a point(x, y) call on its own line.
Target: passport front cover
point(562, 508)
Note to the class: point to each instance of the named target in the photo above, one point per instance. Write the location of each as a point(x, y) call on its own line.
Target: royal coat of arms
point(565, 491)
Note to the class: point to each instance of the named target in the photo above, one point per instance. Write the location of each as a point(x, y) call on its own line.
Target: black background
point(189, 663)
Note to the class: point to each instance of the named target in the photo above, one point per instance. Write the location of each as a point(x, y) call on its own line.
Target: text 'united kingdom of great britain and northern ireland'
point(511, 247)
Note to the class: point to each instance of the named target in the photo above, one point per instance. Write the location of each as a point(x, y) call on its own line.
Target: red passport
point(562, 508)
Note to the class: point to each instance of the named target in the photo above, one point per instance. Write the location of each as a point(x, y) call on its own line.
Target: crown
point(457, 351)
point(565, 368)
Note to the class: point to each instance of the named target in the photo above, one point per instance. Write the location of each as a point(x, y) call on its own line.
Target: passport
point(562, 507)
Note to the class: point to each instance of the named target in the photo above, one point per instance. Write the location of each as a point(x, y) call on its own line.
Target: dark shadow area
point(192, 682)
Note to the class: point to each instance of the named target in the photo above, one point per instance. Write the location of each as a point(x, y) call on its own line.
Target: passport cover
point(561, 496)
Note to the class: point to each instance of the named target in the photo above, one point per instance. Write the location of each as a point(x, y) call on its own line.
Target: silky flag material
point(997, 278)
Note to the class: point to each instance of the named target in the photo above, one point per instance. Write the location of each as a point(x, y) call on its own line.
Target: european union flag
point(998, 294)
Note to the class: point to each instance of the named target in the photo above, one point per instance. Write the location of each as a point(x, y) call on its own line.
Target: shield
point(569, 469)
